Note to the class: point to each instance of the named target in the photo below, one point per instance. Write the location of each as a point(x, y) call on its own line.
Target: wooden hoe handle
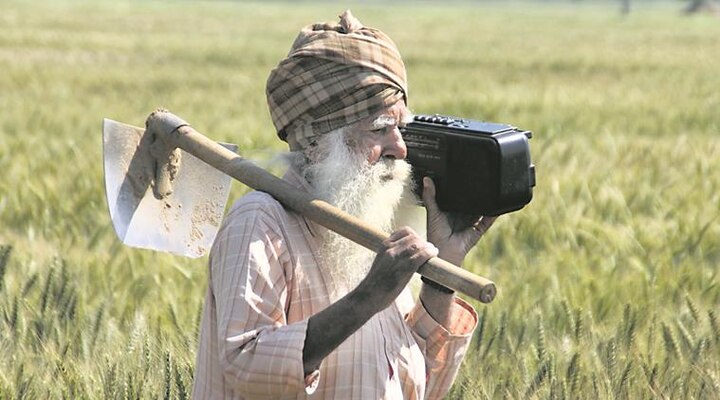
point(178, 133)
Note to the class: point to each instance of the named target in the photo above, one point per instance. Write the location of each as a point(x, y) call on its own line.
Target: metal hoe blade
point(184, 222)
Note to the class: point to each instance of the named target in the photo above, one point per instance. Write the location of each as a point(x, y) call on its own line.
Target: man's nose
point(395, 145)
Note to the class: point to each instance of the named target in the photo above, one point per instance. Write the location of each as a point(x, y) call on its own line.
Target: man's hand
point(454, 235)
point(402, 254)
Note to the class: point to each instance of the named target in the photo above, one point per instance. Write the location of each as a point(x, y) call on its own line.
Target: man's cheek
point(374, 154)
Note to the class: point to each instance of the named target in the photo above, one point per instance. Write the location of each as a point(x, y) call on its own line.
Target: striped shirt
point(264, 284)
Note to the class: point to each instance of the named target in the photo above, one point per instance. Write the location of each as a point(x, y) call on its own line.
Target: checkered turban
point(334, 75)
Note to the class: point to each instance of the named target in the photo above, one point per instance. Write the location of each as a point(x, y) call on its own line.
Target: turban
point(334, 75)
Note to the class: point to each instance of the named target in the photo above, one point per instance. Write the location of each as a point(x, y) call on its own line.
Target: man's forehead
point(397, 113)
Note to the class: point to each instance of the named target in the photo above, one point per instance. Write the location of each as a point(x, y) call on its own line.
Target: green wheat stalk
point(568, 314)
point(46, 290)
point(611, 359)
point(573, 372)
point(714, 325)
point(12, 319)
point(489, 344)
point(30, 284)
point(109, 380)
point(541, 346)
point(671, 347)
point(97, 323)
point(693, 309)
point(167, 374)
point(180, 384)
point(501, 337)
point(480, 330)
point(537, 380)
point(700, 348)
point(4, 257)
point(685, 336)
point(579, 324)
point(622, 387)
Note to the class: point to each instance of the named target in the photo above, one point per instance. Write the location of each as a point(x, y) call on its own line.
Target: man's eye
point(378, 132)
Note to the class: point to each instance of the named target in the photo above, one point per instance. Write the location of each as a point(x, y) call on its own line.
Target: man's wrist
point(365, 300)
point(436, 286)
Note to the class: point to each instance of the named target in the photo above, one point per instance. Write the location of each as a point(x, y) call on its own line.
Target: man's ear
point(407, 118)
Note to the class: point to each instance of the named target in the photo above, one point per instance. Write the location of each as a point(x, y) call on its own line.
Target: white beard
point(344, 178)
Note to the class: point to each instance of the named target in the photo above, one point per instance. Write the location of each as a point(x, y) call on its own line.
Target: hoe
point(167, 186)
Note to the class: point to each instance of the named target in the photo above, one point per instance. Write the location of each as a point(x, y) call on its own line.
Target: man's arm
point(440, 321)
point(454, 239)
point(404, 252)
point(259, 352)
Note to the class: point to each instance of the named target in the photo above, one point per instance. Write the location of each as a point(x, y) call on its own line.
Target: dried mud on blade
point(184, 222)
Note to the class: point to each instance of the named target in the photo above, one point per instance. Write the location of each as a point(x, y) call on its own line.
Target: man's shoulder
point(258, 199)
point(256, 205)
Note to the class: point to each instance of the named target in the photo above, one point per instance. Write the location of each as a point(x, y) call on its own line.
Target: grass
point(608, 280)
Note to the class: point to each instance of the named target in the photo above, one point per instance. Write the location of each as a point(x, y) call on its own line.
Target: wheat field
point(608, 281)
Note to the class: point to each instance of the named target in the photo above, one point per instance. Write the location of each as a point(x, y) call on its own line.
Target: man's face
point(379, 136)
point(360, 170)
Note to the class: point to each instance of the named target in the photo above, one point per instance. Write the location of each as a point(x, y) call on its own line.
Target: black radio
point(479, 168)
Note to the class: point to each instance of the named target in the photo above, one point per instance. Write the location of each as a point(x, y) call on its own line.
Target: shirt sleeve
point(260, 353)
point(445, 346)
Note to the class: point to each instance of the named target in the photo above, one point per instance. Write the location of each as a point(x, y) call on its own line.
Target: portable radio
point(479, 168)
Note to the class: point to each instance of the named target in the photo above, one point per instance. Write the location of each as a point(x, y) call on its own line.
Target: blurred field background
point(608, 281)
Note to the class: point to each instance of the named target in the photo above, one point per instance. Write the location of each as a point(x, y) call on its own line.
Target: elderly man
point(296, 311)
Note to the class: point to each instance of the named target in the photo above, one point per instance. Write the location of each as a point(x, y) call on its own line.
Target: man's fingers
point(428, 195)
point(398, 235)
point(407, 244)
point(410, 244)
point(420, 254)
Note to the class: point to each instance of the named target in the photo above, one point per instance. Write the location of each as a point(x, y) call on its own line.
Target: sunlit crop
point(608, 281)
